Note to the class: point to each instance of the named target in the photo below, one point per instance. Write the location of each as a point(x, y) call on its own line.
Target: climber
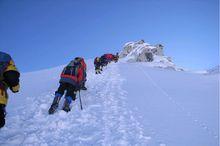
point(97, 64)
point(9, 78)
point(106, 59)
point(73, 78)
point(116, 57)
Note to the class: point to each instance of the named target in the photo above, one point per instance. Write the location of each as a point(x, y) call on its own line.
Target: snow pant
point(69, 88)
point(2, 115)
point(3, 103)
point(97, 69)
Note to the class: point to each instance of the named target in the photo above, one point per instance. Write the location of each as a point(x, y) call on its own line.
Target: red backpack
point(75, 71)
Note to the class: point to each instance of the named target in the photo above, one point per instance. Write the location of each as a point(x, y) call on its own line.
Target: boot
point(66, 105)
point(55, 104)
point(83, 88)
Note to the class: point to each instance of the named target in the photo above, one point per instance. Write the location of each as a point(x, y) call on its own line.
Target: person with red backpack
point(109, 57)
point(72, 79)
point(106, 58)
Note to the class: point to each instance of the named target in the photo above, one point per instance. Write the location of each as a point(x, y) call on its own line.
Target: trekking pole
point(80, 101)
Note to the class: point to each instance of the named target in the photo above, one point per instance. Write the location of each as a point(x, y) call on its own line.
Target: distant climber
point(116, 57)
point(98, 65)
point(9, 78)
point(73, 78)
point(106, 59)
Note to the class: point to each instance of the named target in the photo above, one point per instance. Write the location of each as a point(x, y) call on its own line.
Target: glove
point(15, 89)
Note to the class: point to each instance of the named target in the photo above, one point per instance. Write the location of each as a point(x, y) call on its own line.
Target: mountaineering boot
point(83, 88)
point(2, 115)
point(98, 71)
point(67, 102)
point(55, 103)
point(66, 106)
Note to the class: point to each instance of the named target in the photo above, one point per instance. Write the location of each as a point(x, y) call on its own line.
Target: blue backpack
point(4, 62)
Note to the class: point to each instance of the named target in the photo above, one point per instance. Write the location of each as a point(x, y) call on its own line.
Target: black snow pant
point(97, 67)
point(69, 88)
point(2, 115)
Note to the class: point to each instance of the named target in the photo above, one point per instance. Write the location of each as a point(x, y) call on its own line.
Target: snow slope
point(129, 104)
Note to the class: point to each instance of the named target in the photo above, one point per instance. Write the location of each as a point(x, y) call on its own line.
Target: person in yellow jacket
point(9, 78)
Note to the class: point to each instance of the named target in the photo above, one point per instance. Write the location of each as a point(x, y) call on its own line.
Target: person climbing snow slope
point(9, 78)
point(73, 78)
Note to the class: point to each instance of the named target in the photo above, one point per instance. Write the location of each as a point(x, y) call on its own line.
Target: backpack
point(73, 67)
point(80, 61)
point(4, 62)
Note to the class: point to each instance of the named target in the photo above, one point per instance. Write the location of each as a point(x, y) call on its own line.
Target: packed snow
point(128, 104)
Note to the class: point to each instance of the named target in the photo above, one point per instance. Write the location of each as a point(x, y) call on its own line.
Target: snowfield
point(129, 104)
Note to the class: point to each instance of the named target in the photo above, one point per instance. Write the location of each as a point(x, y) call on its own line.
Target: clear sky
point(45, 33)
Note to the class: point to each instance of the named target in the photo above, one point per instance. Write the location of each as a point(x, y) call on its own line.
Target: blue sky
point(45, 33)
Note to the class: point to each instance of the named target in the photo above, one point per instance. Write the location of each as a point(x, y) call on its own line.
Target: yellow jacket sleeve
point(11, 77)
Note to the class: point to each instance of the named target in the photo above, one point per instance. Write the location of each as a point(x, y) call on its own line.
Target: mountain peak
point(153, 55)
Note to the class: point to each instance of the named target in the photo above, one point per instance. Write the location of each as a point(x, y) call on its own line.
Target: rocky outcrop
point(140, 51)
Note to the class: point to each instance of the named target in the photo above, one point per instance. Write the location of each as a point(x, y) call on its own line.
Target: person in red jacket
point(109, 57)
point(72, 79)
point(106, 58)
